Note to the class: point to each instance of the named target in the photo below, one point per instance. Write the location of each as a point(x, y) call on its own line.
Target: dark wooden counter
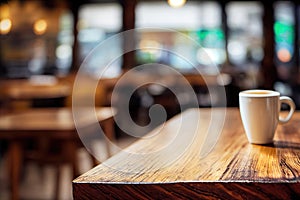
point(175, 163)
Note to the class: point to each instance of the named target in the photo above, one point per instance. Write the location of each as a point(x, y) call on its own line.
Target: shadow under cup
point(259, 111)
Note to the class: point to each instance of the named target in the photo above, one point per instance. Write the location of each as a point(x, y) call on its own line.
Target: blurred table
point(34, 88)
point(172, 163)
point(46, 124)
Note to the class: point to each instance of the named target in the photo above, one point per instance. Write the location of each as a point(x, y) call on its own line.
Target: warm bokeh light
point(5, 26)
point(176, 3)
point(150, 46)
point(284, 55)
point(40, 27)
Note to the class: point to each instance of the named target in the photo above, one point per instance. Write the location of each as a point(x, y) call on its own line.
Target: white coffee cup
point(260, 113)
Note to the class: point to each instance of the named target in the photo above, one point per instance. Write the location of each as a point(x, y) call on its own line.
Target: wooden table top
point(51, 119)
point(179, 160)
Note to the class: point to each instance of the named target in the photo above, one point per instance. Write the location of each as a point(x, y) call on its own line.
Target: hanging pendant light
point(176, 3)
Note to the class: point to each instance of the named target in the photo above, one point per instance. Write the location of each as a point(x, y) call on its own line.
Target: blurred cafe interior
point(239, 45)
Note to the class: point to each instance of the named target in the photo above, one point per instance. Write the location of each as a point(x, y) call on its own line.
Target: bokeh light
point(5, 26)
point(284, 55)
point(40, 27)
point(176, 3)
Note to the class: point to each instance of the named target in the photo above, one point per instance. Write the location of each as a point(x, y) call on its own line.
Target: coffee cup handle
point(289, 101)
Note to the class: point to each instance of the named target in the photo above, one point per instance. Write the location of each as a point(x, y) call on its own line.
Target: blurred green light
point(284, 33)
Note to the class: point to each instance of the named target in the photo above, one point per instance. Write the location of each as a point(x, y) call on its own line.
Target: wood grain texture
point(233, 169)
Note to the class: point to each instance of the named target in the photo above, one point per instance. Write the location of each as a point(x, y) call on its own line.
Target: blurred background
point(243, 45)
point(253, 42)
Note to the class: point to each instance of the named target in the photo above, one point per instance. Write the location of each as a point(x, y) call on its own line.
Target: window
point(245, 35)
point(65, 40)
point(284, 33)
point(284, 29)
point(200, 21)
point(97, 22)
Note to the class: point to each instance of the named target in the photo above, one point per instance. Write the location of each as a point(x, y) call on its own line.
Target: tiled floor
point(38, 183)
